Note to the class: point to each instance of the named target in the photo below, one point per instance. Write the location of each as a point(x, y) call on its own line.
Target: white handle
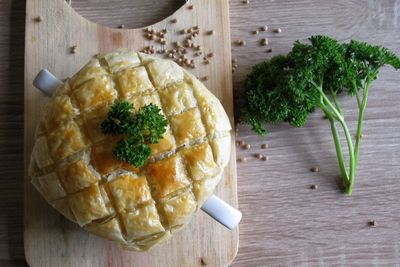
point(46, 82)
point(218, 209)
point(222, 212)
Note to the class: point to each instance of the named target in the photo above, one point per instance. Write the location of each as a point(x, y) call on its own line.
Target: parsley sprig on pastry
point(139, 129)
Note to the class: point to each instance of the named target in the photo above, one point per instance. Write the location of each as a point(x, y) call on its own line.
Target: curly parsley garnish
point(139, 130)
point(287, 88)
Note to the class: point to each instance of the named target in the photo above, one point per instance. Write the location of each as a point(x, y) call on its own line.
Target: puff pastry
point(74, 168)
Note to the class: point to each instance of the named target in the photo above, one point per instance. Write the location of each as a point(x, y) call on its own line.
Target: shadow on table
point(12, 131)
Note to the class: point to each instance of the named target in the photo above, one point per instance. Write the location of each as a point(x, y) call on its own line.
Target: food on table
point(74, 167)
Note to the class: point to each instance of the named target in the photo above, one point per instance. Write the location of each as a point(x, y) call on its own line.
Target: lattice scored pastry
point(74, 168)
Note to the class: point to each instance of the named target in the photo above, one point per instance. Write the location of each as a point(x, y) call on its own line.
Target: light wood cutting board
point(51, 240)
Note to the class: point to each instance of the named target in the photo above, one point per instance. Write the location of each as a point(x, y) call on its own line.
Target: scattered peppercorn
point(190, 7)
point(174, 20)
point(314, 169)
point(278, 30)
point(372, 223)
point(264, 158)
point(121, 26)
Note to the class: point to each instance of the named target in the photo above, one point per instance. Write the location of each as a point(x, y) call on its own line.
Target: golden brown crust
point(167, 176)
point(74, 168)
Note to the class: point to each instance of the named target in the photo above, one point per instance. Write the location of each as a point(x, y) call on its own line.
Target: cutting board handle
point(218, 209)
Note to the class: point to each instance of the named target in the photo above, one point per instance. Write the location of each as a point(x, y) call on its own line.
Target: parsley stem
point(349, 184)
point(348, 179)
point(336, 102)
point(339, 152)
point(360, 119)
point(327, 101)
point(355, 89)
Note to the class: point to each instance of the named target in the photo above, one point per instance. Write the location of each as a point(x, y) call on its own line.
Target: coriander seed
point(38, 19)
point(313, 186)
point(73, 49)
point(246, 146)
point(241, 42)
point(314, 169)
point(242, 159)
point(264, 41)
point(264, 146)
point(258, 156)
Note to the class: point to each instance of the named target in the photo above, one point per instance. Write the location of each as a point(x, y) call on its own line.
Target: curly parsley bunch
point(289, 87)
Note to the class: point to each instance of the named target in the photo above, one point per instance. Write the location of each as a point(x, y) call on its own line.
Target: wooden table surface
point(284, 222)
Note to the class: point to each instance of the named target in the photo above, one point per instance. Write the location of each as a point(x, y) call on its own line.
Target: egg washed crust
point(73, 167)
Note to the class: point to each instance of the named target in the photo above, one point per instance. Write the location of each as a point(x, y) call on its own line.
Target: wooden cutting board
point(51, 240)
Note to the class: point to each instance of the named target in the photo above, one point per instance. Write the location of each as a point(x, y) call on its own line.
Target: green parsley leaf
point(151, 123)
point(119, 119)
point(132, 152)
point(139, 130)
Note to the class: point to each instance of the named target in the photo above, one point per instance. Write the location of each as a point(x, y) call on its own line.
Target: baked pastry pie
point(74, 168)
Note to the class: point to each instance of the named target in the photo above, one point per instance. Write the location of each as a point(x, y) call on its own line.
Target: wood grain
point(49, 239)
point(285, 223)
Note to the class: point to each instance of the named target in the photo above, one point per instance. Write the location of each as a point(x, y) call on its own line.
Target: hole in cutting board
point(130, 13)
